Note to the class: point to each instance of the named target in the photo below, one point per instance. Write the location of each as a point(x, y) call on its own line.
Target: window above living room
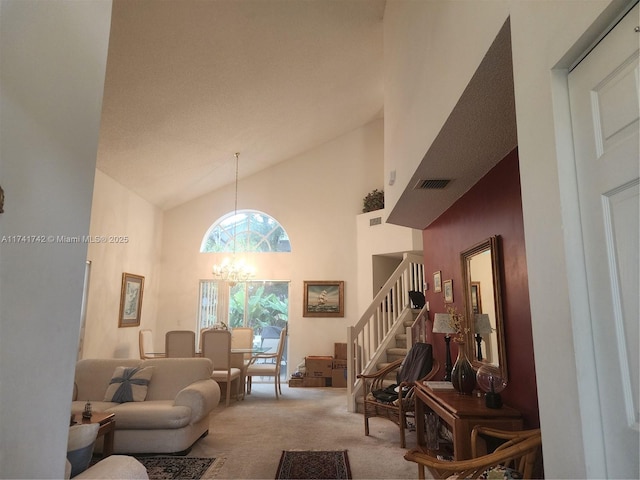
point(245, 231)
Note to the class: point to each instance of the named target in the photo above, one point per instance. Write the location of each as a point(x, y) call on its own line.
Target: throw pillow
point(80, 446)
point(128, 384)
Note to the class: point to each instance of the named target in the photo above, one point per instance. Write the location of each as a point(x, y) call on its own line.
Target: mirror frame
point(491, 244)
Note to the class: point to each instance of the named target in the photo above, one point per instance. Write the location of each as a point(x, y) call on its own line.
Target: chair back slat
point(180, 343)
point(216, 346)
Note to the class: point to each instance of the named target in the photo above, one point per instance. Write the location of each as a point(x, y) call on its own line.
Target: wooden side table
point(461, 413)
point(107, 428)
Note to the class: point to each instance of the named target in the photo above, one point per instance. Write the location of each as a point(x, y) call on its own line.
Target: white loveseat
point(175, 412)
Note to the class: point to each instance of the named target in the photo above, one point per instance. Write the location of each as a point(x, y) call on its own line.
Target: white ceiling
point(191, 82)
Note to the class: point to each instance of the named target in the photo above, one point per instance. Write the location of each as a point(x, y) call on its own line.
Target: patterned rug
point(180, 468)
point(312, 464)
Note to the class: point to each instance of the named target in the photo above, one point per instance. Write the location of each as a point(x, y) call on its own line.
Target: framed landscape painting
point(131, 300)
point(323, 299)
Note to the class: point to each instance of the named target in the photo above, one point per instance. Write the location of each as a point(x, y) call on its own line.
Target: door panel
point(605, 116)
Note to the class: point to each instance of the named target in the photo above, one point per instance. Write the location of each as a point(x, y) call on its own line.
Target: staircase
point(387, 327)
point(397, 350)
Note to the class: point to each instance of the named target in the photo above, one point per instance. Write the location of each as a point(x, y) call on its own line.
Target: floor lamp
point(442, 324)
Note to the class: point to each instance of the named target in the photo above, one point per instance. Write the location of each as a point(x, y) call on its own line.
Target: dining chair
point(180, 343)
point(256, 369)
point(145, 342)
point(216, 346)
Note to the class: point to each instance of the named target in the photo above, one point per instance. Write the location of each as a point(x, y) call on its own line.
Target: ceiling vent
point(431, 184)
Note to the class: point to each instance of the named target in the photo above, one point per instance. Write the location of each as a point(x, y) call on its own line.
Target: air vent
point(375, 221)
point(431, 184)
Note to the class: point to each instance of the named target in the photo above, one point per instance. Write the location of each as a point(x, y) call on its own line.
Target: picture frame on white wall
point(131, 300)
point(323, 299)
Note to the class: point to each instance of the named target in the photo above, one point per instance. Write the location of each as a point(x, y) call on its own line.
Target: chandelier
point(233, 270)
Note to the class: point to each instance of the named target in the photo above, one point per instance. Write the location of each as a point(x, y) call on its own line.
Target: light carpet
point(252, 433)
point(313, 464)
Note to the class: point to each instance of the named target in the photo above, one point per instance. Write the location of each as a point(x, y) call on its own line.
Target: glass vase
point(463, 376)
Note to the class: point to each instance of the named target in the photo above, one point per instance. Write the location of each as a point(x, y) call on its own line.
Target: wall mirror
point(483, 299)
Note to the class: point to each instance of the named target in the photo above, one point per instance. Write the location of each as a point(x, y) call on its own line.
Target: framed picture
point(476, 303)
point(437, 281)
point(130, 300)
point(448, 291)
point(323, 299)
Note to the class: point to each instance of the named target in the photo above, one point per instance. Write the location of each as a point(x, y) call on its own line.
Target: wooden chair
point(266, 369)
point(519, 452)
point(398, 410)
point(145, 342)
point(180, 344)
point(216, 346)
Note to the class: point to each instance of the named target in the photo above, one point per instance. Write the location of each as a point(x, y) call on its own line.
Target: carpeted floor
point(252, 433)
point(314, 464)
point(181, 468)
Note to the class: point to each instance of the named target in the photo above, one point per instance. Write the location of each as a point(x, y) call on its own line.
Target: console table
point(461, 413)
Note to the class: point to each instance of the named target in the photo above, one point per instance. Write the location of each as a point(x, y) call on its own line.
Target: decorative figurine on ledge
point(86, 413)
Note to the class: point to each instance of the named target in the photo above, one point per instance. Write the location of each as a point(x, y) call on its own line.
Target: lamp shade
point(482, 323)
point(442, 323)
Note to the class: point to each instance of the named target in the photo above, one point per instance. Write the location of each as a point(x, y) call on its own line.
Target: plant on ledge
point(373, 201)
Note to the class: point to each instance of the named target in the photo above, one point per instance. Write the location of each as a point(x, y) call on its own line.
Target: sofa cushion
point(94, 374)
point(96, 406)
point(128, 384)
point(170, 375)
point(80, 446)
point(151, 415)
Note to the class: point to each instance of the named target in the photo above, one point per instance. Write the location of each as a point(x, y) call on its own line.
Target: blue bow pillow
point(128, 384)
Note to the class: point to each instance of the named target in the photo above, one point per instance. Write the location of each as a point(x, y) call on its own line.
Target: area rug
point(311, 464)
point(180, 468)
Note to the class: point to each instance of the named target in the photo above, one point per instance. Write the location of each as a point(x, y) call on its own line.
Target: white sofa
point(174, 414)
point(114, 467)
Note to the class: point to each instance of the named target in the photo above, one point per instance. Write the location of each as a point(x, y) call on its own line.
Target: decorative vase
point(463, 376)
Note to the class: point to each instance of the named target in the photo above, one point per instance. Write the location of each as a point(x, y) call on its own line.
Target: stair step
point(398, 352)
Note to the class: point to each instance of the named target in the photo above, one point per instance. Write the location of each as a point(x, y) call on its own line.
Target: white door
point(604, 105)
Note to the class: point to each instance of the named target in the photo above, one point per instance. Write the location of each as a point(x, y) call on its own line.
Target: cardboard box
point(340, 351)
point(316, 382)
point(339, 377)
point(296, 382)
point(339, 363)
point(318, 366)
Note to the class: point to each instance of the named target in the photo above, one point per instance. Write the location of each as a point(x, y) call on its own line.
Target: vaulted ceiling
point(191, 82)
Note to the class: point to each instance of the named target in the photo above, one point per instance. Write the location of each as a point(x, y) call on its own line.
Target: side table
point(461, 413)
point(107, 428)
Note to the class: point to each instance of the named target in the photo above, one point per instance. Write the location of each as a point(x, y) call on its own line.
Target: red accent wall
point(492, 207)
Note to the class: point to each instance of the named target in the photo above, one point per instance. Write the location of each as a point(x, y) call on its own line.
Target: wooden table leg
point(108, 431)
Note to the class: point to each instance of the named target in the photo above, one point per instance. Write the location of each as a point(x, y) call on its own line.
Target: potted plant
point(373, 201)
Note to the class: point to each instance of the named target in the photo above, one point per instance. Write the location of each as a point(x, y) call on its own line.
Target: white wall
point(315, 196)
point(376, 240)
point(431, 50)
point(132, 228)
point(52, 77)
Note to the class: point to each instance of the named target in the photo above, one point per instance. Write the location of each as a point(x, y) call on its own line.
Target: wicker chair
point(520, 452)
point(398, 410)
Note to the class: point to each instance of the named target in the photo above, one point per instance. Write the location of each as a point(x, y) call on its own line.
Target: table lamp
point(490, 380)
point(442, 324)
point(481, 326)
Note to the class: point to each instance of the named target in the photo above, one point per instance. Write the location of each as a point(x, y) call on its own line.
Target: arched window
point(252, 231)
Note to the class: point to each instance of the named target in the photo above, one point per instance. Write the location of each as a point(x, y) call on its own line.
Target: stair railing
point(367, 339)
